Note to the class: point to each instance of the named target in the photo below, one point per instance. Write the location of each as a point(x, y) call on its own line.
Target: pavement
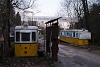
point(71, 56)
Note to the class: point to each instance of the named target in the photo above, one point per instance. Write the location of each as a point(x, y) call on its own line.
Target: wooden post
point(47, 40)
point(52, 36)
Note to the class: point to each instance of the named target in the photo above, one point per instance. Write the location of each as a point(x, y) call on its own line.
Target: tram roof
point(29, 27)
point(75, 30)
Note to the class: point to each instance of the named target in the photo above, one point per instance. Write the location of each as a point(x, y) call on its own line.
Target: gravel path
point(70, 56)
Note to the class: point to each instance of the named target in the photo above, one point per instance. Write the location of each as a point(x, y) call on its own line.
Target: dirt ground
point(25, 62)
point(73, 56)
point(68, 56)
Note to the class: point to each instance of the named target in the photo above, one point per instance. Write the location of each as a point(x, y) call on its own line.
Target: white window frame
point(28, 31)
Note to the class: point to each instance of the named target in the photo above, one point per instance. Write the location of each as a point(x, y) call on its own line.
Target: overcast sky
point(48, 7)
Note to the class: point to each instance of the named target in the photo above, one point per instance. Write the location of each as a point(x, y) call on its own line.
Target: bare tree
point(6, 7)
point(73, 8)
point(86, 14)
point(23, 4)
point(80, 9)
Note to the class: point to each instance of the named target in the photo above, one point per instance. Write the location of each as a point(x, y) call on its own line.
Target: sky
point(44, 8)
point(48, 7)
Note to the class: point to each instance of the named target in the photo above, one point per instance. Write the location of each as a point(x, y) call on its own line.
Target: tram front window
point(17, 36)
point(25, 36)
point(33, 36)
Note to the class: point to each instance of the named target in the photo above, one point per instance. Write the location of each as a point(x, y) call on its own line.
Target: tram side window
point(33, 36)
point(77, 35)
point(67, 34)
point(73, 34)
point(17, 36)
point(62, 33)
point(25, 36)
point(70, 34)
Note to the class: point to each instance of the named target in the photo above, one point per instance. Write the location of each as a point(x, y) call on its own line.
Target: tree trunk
point(5, 31)
point(6, 28)
point(86, 14)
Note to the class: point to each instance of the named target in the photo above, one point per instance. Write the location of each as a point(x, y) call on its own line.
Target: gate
point(52, 31)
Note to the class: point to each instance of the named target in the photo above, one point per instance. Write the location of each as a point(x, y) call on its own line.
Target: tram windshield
point(25, 36)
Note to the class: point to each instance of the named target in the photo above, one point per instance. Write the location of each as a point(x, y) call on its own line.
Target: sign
point(46, 18)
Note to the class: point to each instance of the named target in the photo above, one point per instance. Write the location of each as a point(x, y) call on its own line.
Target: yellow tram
point(77, 37)
point(26, 40)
